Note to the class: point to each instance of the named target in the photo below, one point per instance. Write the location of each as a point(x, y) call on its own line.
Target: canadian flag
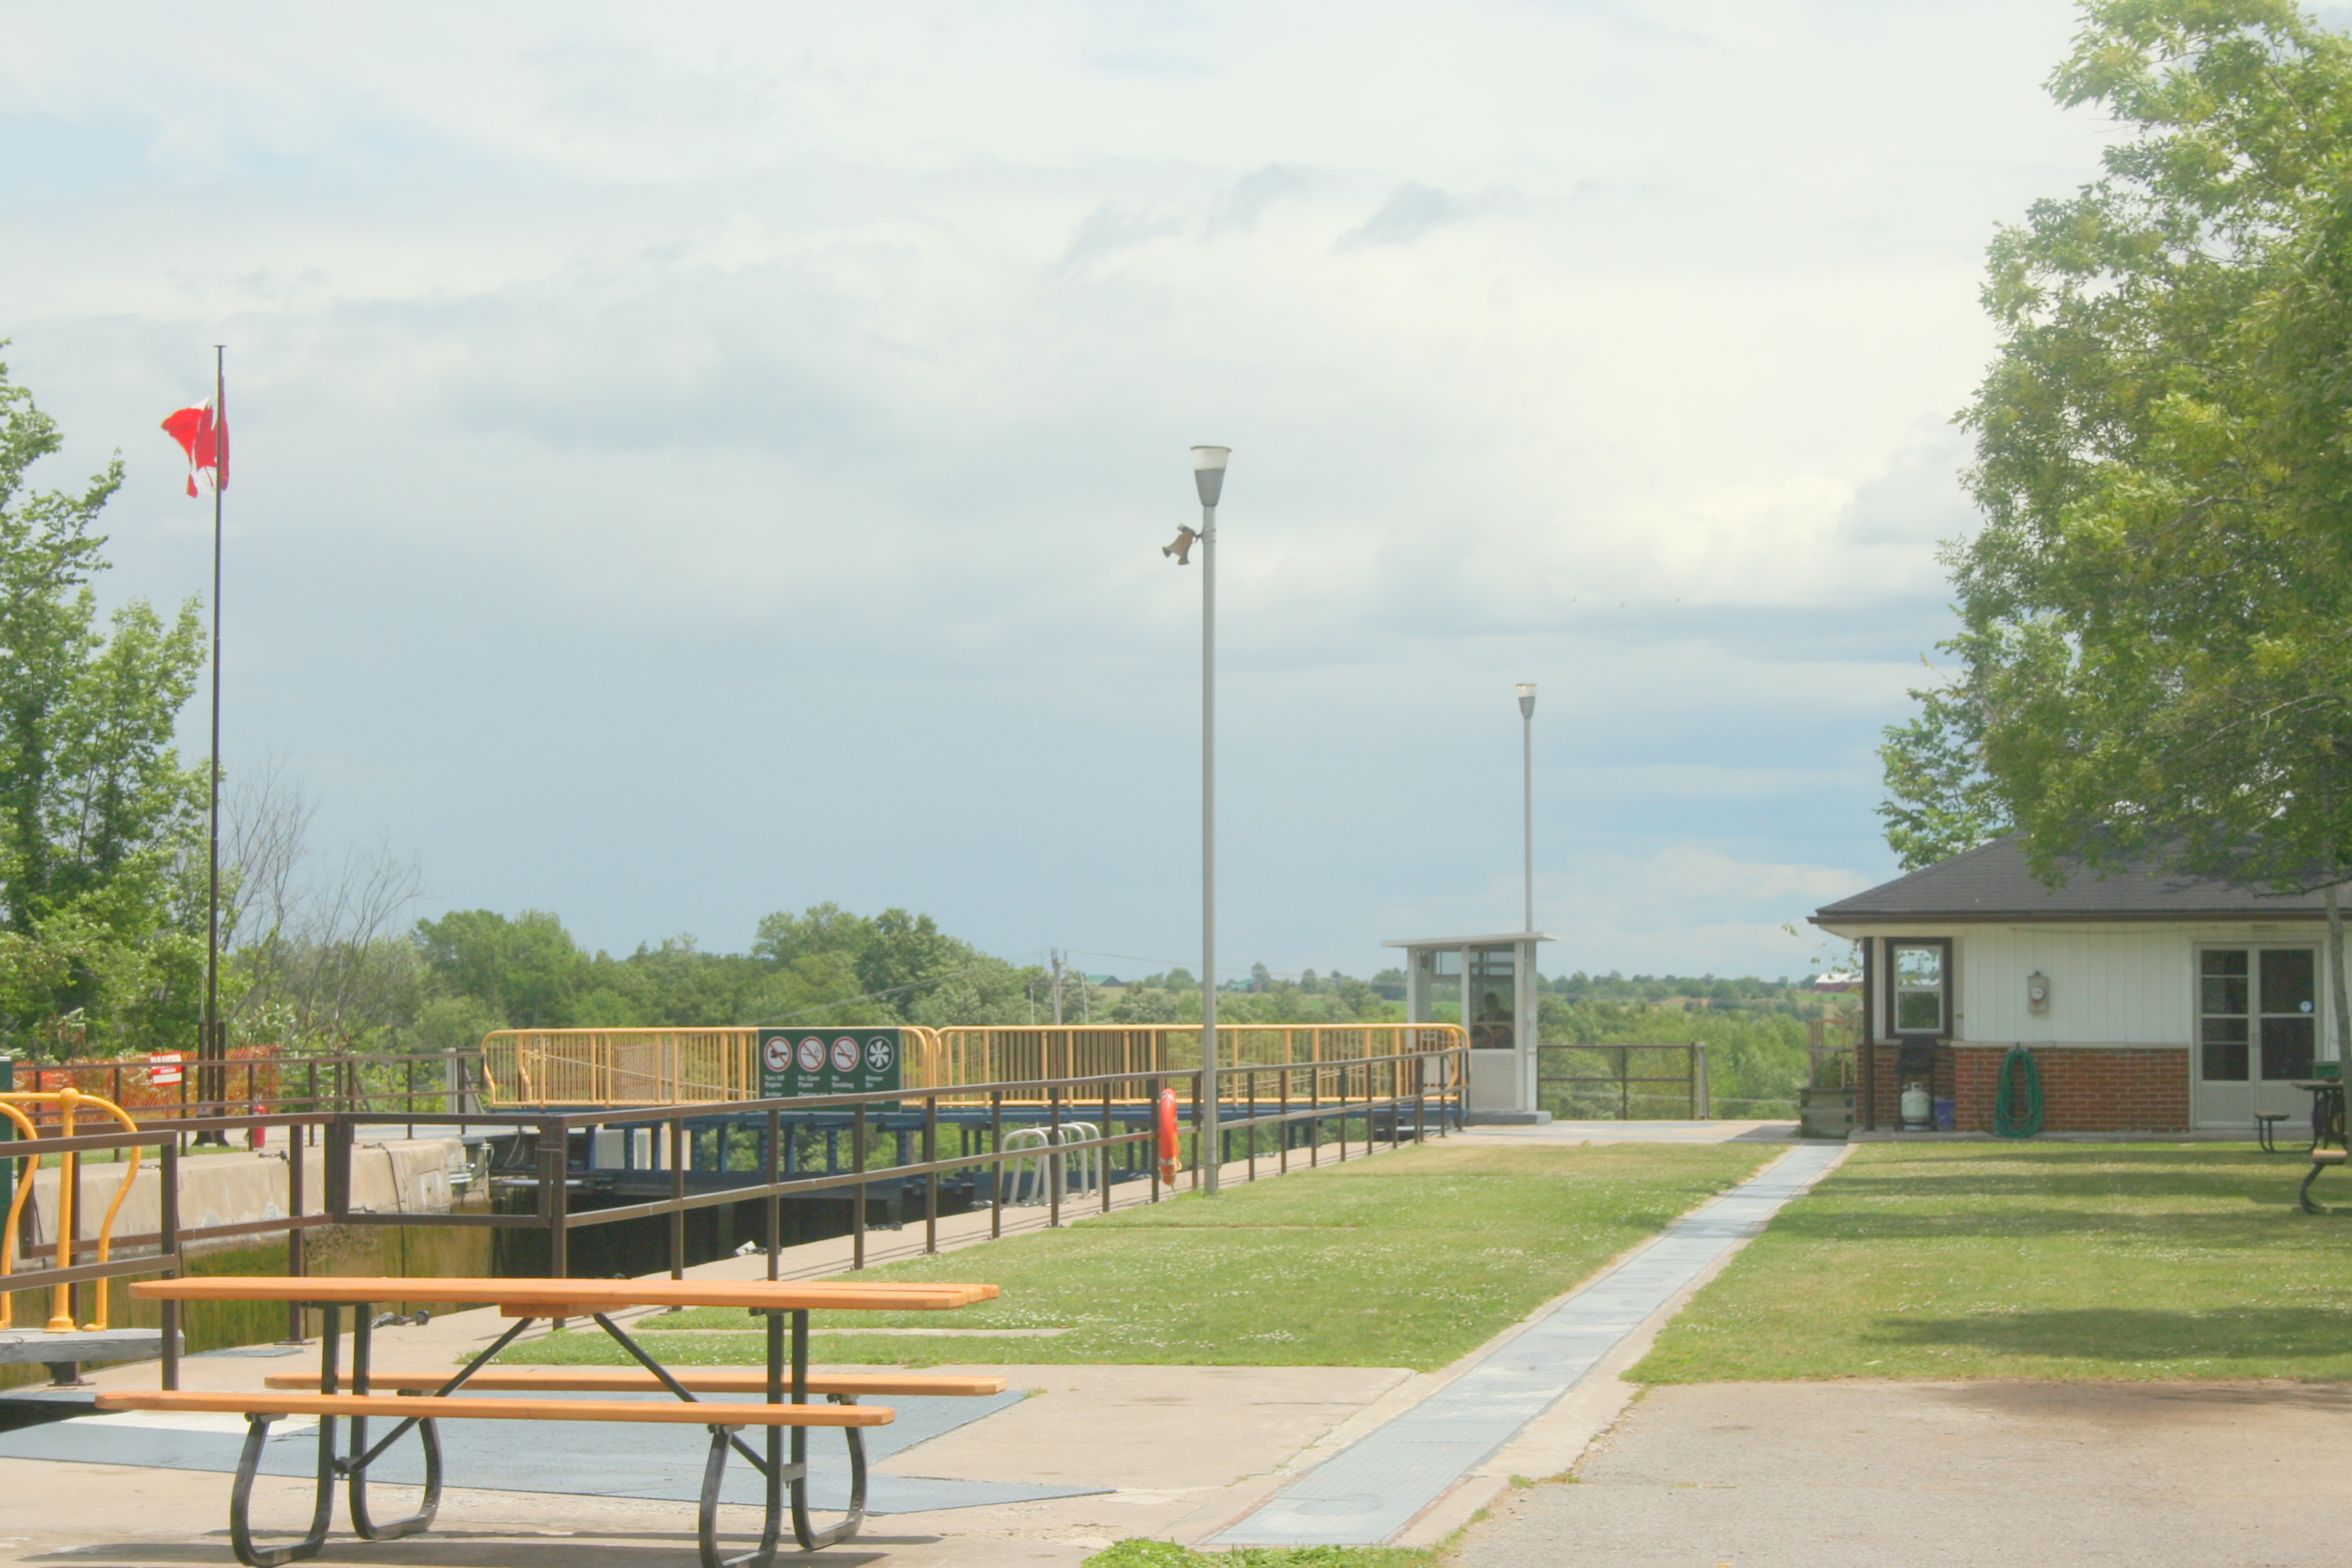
point(203, 433)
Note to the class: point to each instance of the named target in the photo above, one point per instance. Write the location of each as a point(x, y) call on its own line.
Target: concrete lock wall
point(401, 1176)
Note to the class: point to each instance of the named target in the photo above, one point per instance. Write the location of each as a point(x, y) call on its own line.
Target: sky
point(692, 462)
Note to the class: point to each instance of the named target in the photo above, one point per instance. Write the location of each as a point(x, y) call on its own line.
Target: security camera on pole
point(1208, 479)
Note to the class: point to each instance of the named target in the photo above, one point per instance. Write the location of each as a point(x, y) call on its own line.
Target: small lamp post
point(1527, 789)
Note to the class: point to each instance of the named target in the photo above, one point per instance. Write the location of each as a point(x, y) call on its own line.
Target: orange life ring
point(1167, 1118)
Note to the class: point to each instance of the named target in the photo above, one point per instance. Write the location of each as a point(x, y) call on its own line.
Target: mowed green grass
point(1403, 1259)
point(2056, 1260)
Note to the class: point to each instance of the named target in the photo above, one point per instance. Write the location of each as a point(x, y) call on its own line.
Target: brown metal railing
point(1370, 1102)
point(1622, 1080)
point(417, 1084)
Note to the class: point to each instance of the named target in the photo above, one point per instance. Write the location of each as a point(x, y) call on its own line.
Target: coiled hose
point(2006, 1121)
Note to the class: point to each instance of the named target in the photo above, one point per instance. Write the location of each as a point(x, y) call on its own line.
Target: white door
point(2257, 1033)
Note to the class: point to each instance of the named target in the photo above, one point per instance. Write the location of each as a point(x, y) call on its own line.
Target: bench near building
point(2151, 1002)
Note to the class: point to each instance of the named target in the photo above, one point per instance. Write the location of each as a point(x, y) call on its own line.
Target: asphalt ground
point(1964, 1475)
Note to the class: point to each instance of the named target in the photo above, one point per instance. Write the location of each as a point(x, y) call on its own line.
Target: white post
point(1527, 791)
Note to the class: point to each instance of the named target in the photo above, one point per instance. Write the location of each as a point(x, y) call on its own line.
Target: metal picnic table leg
point(248, 1464)
point(810, 1538)
point(427, 1434)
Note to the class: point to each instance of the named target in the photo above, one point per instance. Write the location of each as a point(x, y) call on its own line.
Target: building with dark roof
point(2152, 1001)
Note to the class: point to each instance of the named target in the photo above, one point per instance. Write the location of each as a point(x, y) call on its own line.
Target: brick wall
point(2139, 1088)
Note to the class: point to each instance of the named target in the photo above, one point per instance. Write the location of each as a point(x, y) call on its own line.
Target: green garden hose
point(2019, 1063)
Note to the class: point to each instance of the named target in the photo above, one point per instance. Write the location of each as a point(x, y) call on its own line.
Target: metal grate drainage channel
point(1371, 1490)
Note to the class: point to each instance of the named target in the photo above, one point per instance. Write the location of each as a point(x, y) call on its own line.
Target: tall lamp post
point(1527, 790)
point(1209, 480)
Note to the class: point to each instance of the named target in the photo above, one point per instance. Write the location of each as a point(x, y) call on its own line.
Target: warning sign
point(829, 1061)
point(163, 1068)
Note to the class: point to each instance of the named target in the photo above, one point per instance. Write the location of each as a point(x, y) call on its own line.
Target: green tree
point(99, 821)
point(2157, 611)
point(528, 969)
point(1939, 800)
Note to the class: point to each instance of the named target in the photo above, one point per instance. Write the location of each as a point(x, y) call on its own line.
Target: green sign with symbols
point(829, 1061)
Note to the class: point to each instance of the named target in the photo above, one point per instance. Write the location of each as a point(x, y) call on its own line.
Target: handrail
point(66, 1102)
point(611, 1067)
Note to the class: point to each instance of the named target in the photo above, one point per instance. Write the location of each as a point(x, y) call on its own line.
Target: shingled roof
point(1993, 883)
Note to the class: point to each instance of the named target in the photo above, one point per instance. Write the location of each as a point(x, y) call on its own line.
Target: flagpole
point(214, 1046)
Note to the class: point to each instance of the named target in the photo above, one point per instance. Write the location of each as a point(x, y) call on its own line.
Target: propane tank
point(1917, 1108)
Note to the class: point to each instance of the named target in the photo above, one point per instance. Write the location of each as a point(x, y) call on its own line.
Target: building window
point(2257, 1013)
point(1917, 997)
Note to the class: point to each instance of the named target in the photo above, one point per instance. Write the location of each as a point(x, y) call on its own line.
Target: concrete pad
point(1967, 1475)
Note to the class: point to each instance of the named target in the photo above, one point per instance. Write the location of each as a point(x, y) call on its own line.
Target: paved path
point(1855, 1474)
point(1370, 1492)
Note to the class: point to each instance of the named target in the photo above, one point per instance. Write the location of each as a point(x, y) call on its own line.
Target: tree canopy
point(101, 911)
point(2155, 611)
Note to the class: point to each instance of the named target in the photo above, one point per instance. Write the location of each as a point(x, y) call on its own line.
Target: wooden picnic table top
point(576, 1297)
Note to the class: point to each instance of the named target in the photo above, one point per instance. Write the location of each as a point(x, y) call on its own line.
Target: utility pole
point(1057, 986)
point(1209, 480)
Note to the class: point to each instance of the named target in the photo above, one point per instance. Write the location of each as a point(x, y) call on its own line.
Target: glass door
point(2257, 1032)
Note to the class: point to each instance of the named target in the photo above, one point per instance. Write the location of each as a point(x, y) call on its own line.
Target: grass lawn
point(1405, 1259)
point(2057, 1260)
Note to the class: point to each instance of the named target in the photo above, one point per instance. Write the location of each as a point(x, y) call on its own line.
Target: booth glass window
point(2257, 1013)
point(1494, 997)
point(1917, 997)
point(1440, 985)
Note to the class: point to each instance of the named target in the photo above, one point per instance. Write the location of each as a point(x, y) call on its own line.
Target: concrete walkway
point(1370, 1492)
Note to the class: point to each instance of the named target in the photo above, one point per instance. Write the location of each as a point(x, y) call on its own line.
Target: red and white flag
point(203, 433)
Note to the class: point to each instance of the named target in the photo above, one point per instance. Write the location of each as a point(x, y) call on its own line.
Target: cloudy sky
point(695, 461)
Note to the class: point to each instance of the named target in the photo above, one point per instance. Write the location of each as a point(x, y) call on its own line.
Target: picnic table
point(418, 1399)
point(2326, 1128)
point(2326, 1109)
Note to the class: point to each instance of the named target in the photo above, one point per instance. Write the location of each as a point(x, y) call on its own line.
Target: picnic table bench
point(418, 1399)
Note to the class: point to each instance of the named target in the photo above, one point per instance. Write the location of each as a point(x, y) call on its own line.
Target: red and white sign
point(163, 1068)
point(844, 1055)
point(812, 1054)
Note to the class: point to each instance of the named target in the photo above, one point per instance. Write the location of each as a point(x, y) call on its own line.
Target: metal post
point(857, 1193)
point(1053, 1154)
point(1250, 1083)
point(1209, 833)
point(930, 1178)
point(770, 1174)
point(296, 1263)
point(677, 1197)
point(1527, 791)
point(1209, 477)
point(214, 1039)
point(555, 1166)
point(1103, 1154)
point(996, 1166)
point(168, 1238)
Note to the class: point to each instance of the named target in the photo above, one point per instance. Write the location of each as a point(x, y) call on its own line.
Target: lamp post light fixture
point(1209, 480)
point(1527, 790)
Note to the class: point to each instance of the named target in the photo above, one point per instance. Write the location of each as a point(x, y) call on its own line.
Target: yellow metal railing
point(690, 1066)
point(67, 1103)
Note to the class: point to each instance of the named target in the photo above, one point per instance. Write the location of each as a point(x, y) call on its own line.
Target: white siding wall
point(2118, 986)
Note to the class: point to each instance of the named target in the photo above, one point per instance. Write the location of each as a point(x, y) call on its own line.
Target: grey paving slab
point(590, 1458)
point(1368, 1492)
